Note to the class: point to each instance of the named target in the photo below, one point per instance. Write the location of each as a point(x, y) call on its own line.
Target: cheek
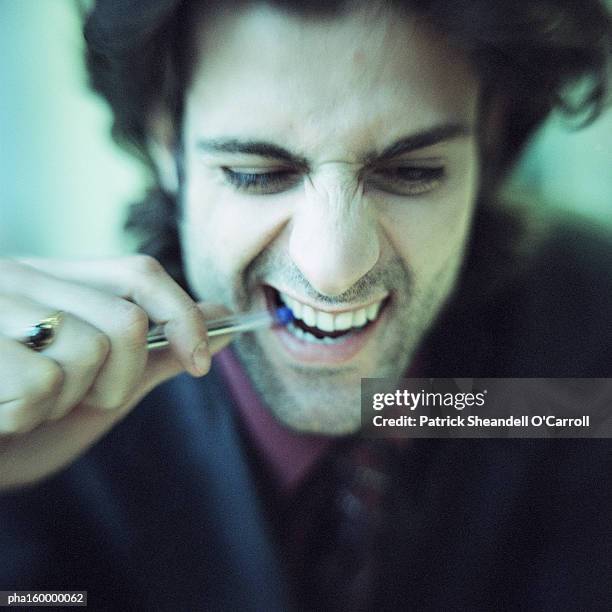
point(430, 232)
point(225, 230)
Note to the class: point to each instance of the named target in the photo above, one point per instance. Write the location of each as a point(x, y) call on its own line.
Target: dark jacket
point(165, 513)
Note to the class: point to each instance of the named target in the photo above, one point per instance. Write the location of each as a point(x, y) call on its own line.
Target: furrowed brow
point(420, 140)
point(250, 147)
point(270, 150)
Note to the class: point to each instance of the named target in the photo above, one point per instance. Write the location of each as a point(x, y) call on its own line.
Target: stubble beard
point(328, 400)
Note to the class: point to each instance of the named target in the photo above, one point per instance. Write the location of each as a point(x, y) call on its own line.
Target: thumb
point(163, 364)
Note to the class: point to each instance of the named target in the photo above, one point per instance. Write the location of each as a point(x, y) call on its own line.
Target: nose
point(334, 237)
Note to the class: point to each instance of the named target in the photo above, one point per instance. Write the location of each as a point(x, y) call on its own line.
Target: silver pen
point(233, 324)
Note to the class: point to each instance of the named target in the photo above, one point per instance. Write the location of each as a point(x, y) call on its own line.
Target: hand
point(56, 402)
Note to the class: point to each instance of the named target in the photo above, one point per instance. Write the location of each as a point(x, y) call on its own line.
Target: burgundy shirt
point(289, 455)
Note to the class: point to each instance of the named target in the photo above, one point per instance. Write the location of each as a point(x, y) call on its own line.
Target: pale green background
point(64, 185)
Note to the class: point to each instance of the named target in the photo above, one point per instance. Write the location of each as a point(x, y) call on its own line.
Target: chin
point(310, 420)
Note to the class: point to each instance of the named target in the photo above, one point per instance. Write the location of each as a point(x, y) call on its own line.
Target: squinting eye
point(262, 183)
point(407, 180)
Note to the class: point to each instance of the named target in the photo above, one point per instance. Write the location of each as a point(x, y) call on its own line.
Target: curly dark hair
point(530, 53)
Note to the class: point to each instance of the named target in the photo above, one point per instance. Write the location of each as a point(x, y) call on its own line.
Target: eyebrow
point(419, 140)
point(250, 147)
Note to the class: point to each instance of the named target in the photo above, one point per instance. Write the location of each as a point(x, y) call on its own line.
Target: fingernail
point(201, 358)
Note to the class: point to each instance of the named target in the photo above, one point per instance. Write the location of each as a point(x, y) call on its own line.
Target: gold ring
point(42, 334)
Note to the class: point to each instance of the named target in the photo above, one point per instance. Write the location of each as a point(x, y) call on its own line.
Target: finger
point(78, 348)
point(143, 280)
point(125, 324)
point(140, 278)
point(210, 313)
point(29, 384)
point(163, 364)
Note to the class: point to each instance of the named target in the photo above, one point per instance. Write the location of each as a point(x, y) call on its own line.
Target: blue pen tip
point(284, 315)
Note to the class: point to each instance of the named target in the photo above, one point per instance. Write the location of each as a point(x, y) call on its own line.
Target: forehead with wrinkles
point(349, 84)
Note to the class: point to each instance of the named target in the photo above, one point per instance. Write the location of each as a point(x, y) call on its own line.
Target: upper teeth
point(326, 321)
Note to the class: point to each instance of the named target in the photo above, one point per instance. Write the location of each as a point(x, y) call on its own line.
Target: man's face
point(330, 165)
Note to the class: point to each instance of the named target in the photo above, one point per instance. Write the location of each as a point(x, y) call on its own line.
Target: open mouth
point(322, 327)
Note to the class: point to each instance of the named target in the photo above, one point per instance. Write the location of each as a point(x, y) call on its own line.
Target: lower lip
point(331, 354)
